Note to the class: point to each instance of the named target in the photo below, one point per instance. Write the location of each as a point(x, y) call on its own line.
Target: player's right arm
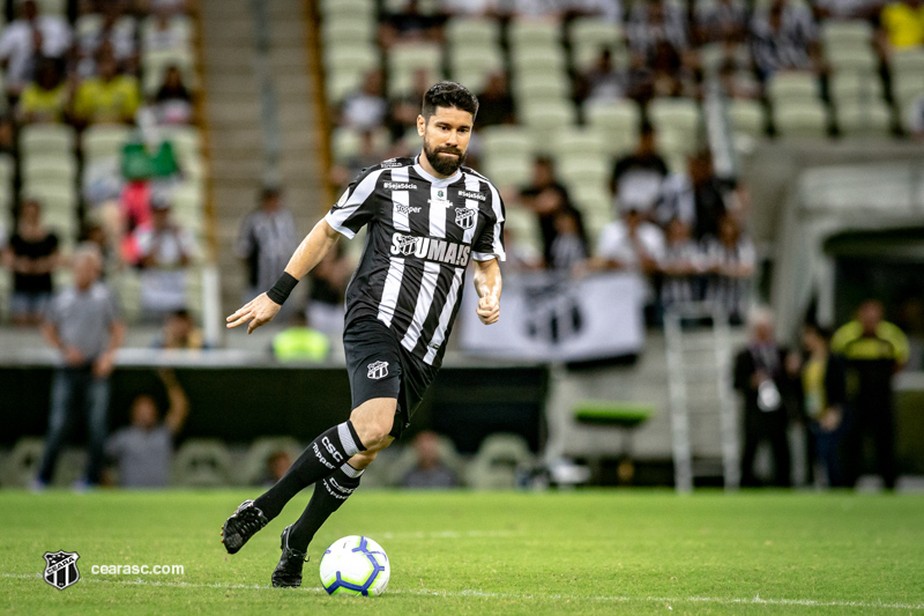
point(262, 309)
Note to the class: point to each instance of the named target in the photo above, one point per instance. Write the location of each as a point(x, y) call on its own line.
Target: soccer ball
point(355, 565)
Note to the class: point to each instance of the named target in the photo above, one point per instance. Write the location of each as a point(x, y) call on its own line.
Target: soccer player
point(426, 218)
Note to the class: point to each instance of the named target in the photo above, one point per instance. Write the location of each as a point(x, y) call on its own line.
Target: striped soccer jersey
point(422, 231)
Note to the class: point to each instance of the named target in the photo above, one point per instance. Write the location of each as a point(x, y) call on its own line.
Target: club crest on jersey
point(465, 217)
point(403, 245)
point(377, 370)
point(61, 569)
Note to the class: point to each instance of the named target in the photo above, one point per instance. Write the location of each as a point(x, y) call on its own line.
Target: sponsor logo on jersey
point(400, 186)
point(406, 209)
point(377, 370)
point(430, 249)
point(467, 194)
point(465, 217)
point(391, 163)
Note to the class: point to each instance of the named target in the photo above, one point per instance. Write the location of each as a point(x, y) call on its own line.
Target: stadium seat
point(522, 224)
point(618, 120)
point(792, 86)
point(623, 416)
point(837, 35)
point(202, 463)
point(353, 58)
point(404, 61)
point(22, 465)
point(104, 141)
point(543, 86)
point(798, 119)
point(356, 9)
point(905, 64)
point(578, 141)
point(860, 60)
point(352, 30)
point(41, 138)
point(506, 140)
point(747, 117)
point(7, 170)
point(533, 34)
point(127, 285)
point(864, 119)
point(677, 122)
point(472, 32)
point(509, 170)
point(53, 7)
point(584, 169)
point(537, 60)
point(51, 168)
point(547, 115)
point(907, 89)
point(851, 87)
point(468, 64)
point(345, 142)
point(253, 470)
point(593, 33)
point(499, 462)
point(407, 459)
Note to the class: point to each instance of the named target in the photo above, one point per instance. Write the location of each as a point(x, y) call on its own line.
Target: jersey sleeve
point(490, 244)
point(355, 207)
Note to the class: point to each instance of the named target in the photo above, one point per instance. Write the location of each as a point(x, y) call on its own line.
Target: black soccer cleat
point(243, 524)
point(288, 573)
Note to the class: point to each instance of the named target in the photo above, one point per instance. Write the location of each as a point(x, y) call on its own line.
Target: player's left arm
point(488, 284)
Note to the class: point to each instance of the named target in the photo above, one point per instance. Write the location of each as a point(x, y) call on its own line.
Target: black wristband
point(283, 287)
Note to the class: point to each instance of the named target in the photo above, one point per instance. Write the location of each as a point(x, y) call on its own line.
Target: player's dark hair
point(448, 94)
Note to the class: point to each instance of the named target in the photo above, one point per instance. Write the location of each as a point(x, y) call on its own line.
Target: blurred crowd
point(91, 100)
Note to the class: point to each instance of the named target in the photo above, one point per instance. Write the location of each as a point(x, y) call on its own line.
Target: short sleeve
point(490, 243)
point(355, 207)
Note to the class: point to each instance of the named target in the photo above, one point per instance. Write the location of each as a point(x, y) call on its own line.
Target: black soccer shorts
point(379, 367)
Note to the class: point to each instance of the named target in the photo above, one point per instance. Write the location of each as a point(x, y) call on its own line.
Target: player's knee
point(373, 425)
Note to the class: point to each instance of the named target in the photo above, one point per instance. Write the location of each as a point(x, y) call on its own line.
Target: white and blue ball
point(355, 565)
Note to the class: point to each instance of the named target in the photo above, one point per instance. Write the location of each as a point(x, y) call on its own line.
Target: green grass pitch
point(580, 552)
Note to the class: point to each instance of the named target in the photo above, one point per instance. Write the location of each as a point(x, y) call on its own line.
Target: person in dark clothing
point(32, 256)
point(874, 350)
point(547, 198)
point(762, 379)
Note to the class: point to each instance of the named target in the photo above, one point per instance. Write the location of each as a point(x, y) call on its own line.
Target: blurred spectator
point(653, 22)
point(110, 97)
point(94, 231)
point(637, 177)
point(824, 396)
point(609, 11)
point(404, 108)
point(730, 261)
point(640, 79)
point(546, 196)
point(277, 464)
point(26, 39)
point(847, 9)
point(874, 350)
point(909, 317)
point(173, 103)
point(84, 327)
point(761, 377)
point(521, 255)
point(342, 173)
point(7, 135)
point(179, 332)
point(672, 72)
point(113, 30)
point(496, 102)
point(429, 471)
point(738, 81)
point(408, 23)
point(32, 256)
point(697, 197)
point(569, 248)
point(366, 108)
point(327, 289)
point(603, 80)
point(265, 241)
point(143, 450)
point(163, 32)
point(632, 244)
point(682, 265)
point(724, 21)
point(300, 342)
point(902, 25)
point(46, 98)
point(784, 38)
point(165, 251)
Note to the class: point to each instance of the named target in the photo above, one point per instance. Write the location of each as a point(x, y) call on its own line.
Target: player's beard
point(444, 165)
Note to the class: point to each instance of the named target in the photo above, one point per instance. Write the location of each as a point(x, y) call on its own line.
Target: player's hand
point(488, 309)
point(103, 365)
point(255, 313)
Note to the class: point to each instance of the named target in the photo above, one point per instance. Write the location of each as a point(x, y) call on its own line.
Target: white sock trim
point(349, 471)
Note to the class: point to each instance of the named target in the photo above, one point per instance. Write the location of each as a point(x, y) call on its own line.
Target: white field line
point(478, 594)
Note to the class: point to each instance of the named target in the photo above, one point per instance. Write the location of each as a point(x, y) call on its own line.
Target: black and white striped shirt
point(422, 232)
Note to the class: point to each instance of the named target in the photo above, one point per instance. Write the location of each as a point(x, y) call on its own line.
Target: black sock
point(323, 456)
point(329, 494)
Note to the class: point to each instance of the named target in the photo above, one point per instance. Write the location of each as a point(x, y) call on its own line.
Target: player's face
point(446, 134)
